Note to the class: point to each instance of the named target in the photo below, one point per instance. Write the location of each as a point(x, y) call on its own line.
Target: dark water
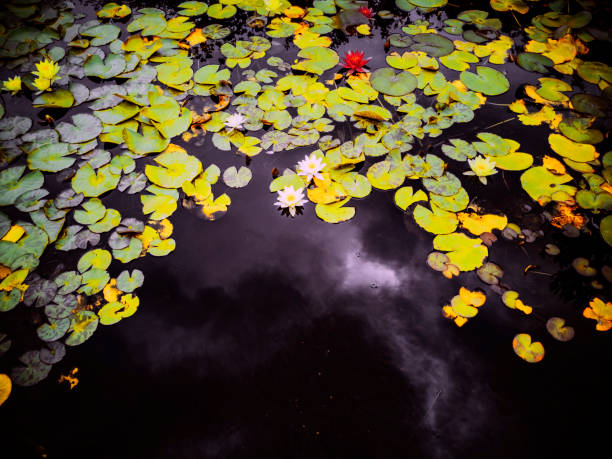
point(268, 337)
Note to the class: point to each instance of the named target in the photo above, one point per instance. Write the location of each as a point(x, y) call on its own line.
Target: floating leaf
point(486, 80)
point(558, 330)
point(385, 80)
point(335, 213)
point(127, 282)
point(33, 372)
point(578, 152)
point(84, 127)
point(317, 59)
point(527, 350)
point(464, 252)
point(237, 178)
point(433, 44)
point(178, 167)
point(534, 62)
point(94, 183)
point(82, 326)
point(96, 259)
point(13, 185)
point(51, 157)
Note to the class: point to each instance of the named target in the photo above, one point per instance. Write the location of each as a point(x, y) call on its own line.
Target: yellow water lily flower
point(42, 84)
point(12, 84)
point(47, 69)
point(481, 167)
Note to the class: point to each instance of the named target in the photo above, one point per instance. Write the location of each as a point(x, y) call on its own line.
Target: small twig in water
point(501, 122)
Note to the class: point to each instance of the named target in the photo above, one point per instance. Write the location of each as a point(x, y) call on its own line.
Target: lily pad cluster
point(129, 98)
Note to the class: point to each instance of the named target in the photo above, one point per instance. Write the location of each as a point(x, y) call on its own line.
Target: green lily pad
point(335, 213)
point(283, 181)
point(52, 157)
point(445, 185)
point(176, 126)
point(436, 220)
point(150, 141)
point(453, 203)
point(460, 150)
point(533, 62)
point(577, 129)
point(33, 372)
point(486, 80)
point(129, 253)
point(13, 184)
point(160, 204)
point(61, 98)
point(111, 220)
point(54, 330)
point(405, 197)
point(83, 324)
point(355, 185)
point(192, 8)
point(538, 182)
point(210, 74)
point(101, 34)
point(433, 44)
point(127, 282)
point(96, 259)
point(237, 178)
point(178, 167)
point(113, 65)
point(8, 300)
point(93, 211)
point(118, 114)
point(458, 60)
point(219, 11)
point(317, 59)
point(14, 126)
point(94, 281)
point(94, 183)
point(68, 282)
point(39, 293)
point(386, 81)
point(84, 128)
point(463, 251)
point(589, 104)
point(594, 72)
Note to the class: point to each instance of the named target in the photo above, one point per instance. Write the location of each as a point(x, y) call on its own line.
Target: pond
point(323, 229)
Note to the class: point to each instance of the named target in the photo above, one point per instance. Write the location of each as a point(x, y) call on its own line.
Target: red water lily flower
point(367, 12)
point(354, 61)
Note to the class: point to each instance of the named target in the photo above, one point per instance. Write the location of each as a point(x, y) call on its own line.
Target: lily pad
point(127, 282)
point(433, 44)
point(317, 59)
point(387, 81)
point(52, 157)
point(533, 62)
point(83, 324)
point(33, 371)
point(84, 128)
point(527, 350)
point(237, 178)
point(94, 183)
point(486, 80)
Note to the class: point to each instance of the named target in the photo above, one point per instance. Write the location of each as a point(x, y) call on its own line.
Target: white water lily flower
point(235, 121)
point(481, 167)
point(290, 198)
point(311, 166)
